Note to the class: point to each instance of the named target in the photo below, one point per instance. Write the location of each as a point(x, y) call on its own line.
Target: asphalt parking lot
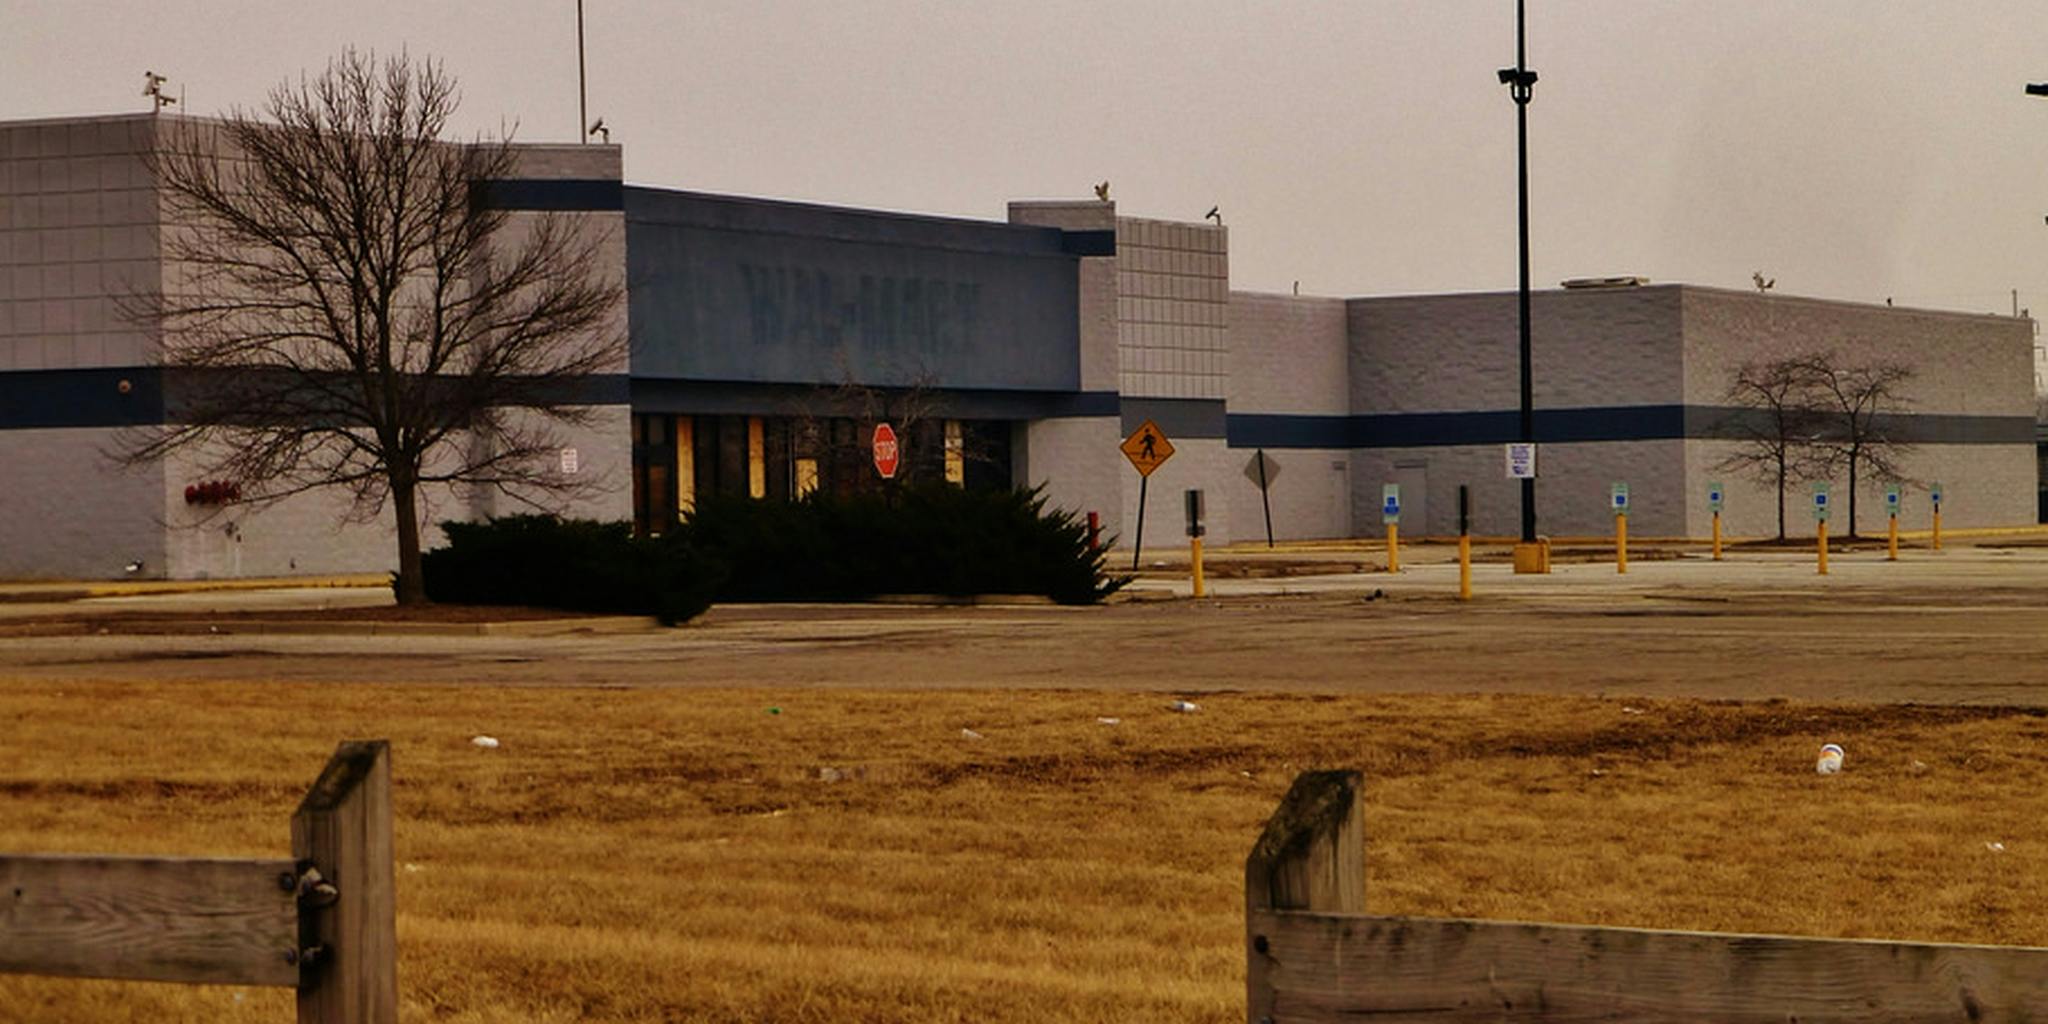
point(1963, 625)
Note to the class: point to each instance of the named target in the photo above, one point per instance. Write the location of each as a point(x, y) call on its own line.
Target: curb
point(609, 624)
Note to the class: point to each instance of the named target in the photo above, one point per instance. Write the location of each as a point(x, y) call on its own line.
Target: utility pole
point(1521, 83)
point(582, 91)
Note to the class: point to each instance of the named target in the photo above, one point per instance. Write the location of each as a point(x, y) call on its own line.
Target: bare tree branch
point(1856, 431)
point(1775, 425)
point(341, 309)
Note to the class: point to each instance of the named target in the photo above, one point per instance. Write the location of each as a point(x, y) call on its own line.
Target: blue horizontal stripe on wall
point(53, 399)
point(1285, 430)
point(1611, 423)
point(1438, 429)
point(718, 398)
point(1181, 418)
point(567, 194)
point(1089, 243)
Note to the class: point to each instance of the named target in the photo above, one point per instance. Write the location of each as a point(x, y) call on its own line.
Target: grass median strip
point(809, 855)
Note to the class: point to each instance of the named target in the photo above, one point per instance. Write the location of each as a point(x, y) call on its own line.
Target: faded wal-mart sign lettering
point(811, 307)
point(732, 290)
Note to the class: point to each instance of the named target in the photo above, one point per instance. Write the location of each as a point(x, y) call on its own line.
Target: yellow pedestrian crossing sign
point(1147, 448)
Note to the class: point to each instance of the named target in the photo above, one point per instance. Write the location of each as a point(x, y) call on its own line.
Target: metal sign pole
point(1265, 499)
point(1138, 545)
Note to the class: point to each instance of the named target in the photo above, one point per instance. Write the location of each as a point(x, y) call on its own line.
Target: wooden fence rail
point(323, 922)
point(1314, 955)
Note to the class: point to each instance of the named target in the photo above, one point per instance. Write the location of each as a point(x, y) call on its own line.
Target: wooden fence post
point(348, 968)
point(1310, 857)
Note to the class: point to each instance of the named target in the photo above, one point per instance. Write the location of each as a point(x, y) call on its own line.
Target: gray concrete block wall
point(1311, 498)
point(1983, 485)
point(1077, 462)
point(67, 513)
point(1198, 463)
point(1288, 354)
point(1571, 492)
point(1963, 363)
point(1098, 284)
point(78, 233)
point(1448, 353)
point(323, 532)
point(1173, 308)
point(568, 161)
point(80, 229)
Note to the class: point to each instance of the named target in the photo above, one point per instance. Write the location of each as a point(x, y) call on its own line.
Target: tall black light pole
point(1521, 83)
point(582, 91)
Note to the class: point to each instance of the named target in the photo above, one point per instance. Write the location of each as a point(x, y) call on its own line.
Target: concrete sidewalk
point(56, 591)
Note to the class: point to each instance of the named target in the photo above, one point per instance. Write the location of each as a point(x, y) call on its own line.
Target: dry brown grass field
point(684, 855)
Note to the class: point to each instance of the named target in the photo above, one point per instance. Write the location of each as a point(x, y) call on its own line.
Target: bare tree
point(1777, 402)
point(342, 309)
point(916, 411)
point(1855, 431)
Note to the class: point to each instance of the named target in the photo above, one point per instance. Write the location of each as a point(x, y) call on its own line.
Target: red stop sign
point(886, 456)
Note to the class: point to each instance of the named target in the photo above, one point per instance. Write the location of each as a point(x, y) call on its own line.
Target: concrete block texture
point(1311, 497)
point(1098, 283)
point(1982, 485)
point(323, 531)
point(1962, 363)
point(1173, 308)
point(1201, 463)
point(68, 513)
point(1454, 353)
point(1069, 214)
point(1077, 462)
point(78, 235)
point(568, 161)
point(1288, 354)
point(1571, 491)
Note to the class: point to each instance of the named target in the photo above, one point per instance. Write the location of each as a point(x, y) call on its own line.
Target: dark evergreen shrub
point(575, 564)
point(934, 539)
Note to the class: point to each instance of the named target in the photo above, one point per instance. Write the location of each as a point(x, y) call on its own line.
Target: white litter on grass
point(1830, 760)
point(412, 868)
point(1109, 721)
point(1995, 847)
point(830, 775)
point(1185, 707)
point(486, 742)
point(1626, 710)
point(969, 734)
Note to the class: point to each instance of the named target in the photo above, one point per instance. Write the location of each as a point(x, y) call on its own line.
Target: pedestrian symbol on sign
point(1147, 448)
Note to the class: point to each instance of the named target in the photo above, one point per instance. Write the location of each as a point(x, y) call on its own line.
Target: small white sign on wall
point(570, 462)
point(1521, 460)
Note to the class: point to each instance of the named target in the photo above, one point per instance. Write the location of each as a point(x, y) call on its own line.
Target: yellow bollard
point(1717, 536)
point(1823, 525)
point(1464, 567)
point(1621, 543)
point(1393, 547)
point(1891, 544)
point(1937, 527)
point(1195, 547)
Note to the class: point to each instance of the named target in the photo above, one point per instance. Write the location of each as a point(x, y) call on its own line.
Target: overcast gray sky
point(1852, 149)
